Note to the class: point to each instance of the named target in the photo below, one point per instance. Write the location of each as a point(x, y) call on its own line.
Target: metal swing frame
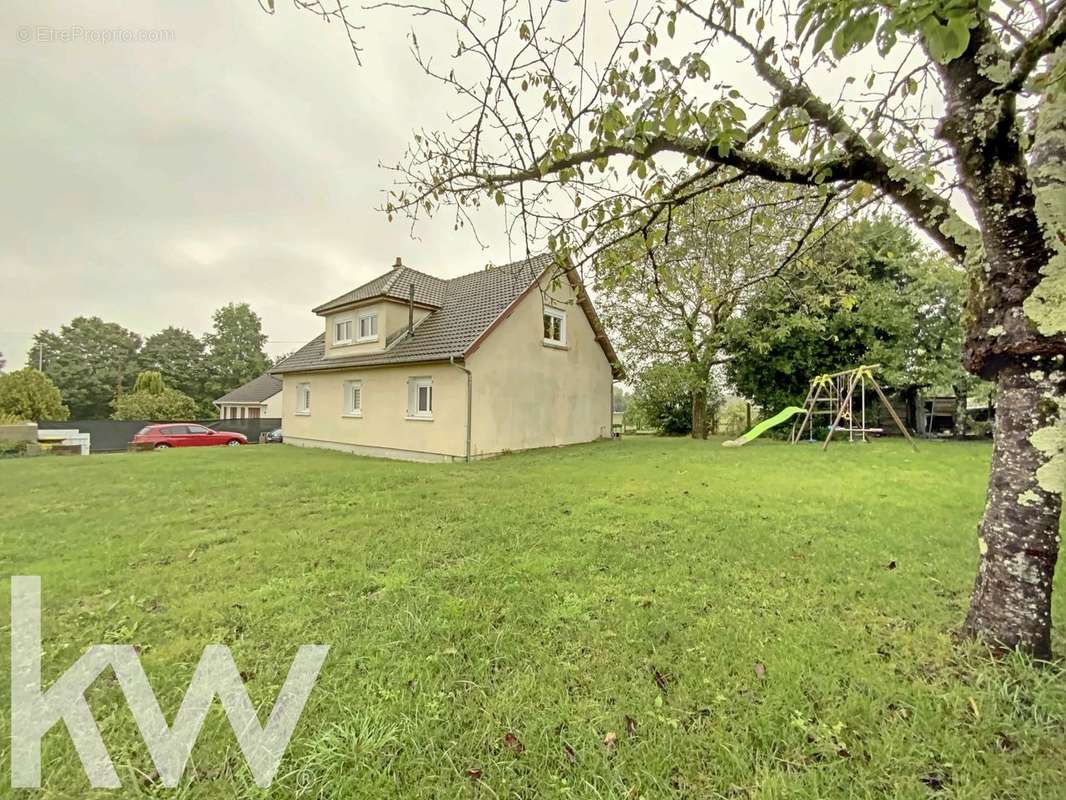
point(833, 395)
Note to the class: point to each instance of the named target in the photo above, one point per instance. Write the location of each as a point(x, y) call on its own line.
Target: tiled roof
point(256, 390)
point(396, 285)
point(466, 308)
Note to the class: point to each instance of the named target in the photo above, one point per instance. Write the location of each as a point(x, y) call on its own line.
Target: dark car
point(275, 437)
point(186, 434)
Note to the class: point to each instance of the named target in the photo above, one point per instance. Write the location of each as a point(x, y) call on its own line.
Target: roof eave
point(329, 308)
point(372, 365)
point(474, 345)
point(584, 302)
point(618, 372)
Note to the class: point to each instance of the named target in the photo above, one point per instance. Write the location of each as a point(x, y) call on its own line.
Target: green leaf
point(724, 144)
point(825, 33)
point(841, 43)
point(862, 191)
point(855, 34)
point(947, 42)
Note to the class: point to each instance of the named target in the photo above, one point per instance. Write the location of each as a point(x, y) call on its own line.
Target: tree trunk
point(699, 413)
point(961, 413)
point(1019, 535)
point(1016, 335)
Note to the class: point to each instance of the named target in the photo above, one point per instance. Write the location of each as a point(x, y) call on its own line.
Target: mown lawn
point(648, 618)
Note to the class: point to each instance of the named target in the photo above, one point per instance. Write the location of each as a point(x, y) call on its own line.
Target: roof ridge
point(395, 274)
point(500, 267)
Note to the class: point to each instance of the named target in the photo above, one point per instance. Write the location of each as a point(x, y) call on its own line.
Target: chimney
point(398, 264)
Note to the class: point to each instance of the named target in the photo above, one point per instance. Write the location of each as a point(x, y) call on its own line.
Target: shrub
point(150, 382)
point(663, 399)
point(152, 400)
point(29, 394)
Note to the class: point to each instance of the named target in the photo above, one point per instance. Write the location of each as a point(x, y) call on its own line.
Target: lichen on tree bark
point(1046, 306)
point(1018, 537)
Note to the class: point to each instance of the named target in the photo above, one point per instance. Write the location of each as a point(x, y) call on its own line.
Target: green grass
point(539, 595)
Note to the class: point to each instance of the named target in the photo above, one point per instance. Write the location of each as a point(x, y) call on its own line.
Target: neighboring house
point(419, 367)
point(260, 397)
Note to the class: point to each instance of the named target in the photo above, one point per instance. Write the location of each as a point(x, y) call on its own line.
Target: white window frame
point(372, 337)
point(353, 409)
point(559, 314)
point(414, 385)
point(303, 399)
point(343, 321)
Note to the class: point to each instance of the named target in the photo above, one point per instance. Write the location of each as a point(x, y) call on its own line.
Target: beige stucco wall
point(527, 394)
point(271, 407)
point(391, 318)
point(384, 422)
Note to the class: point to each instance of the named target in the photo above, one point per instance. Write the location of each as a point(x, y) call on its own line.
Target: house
point(418, 367)
point(260, 397)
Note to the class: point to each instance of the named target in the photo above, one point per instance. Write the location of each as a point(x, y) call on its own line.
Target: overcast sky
point(232, 156)
point(148, 183)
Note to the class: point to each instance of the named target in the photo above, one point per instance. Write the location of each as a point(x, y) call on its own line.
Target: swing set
point(834, 396)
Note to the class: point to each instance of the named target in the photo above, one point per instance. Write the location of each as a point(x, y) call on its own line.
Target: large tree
point(667, 298)
point(178, 356)
point(91, 361)
point(580, 131)
point(234, 349)
point(874, 295)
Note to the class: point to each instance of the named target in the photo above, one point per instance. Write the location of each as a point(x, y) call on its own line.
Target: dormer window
point(342, 331)
point(555, 327)
point(368, 327)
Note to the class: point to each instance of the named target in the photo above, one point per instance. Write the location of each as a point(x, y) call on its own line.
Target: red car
point(186, 434)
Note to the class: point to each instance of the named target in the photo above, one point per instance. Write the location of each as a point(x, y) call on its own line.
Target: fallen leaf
point(568, 751)
point(934, 781)
point(760, 670)
point(1004, 742)
point(512, 743)
point(610, 741)
point(660, 681)
point(631, 726)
